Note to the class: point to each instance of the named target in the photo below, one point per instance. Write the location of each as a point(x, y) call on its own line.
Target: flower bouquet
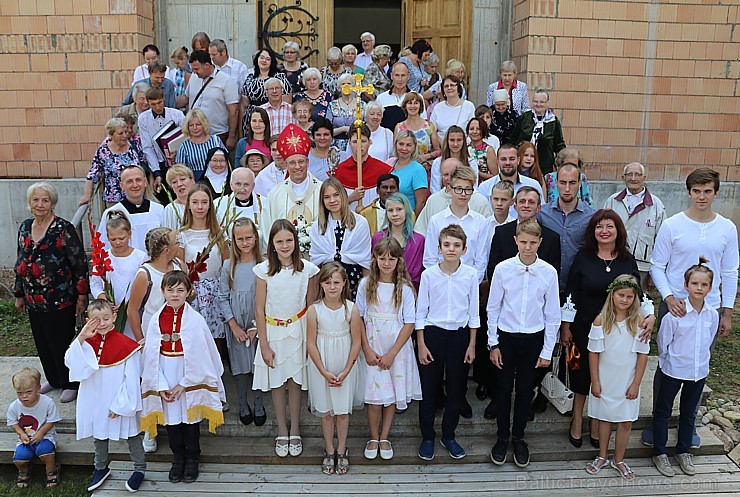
point(304, 238)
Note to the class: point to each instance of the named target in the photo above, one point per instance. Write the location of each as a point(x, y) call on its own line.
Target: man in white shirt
point(150, 123)
point(143, 214)
point(232, 67)
point(216, 94)
point(642, 213)
point(508, 163)
point(682, 239)
point(391, 100)
point(365, 58)
point(439, 201)
point(474, 224)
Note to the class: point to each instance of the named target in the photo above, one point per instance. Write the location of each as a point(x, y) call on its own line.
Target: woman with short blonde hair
point(194, 151)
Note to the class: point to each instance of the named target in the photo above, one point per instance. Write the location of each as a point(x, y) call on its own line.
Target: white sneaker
point(150, 444)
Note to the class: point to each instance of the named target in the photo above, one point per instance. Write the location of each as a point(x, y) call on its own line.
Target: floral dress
point(339, 116)
point(330, 80)
point(423, 136)
point(479, 155)
point(207, 286)
point(383, 322)
point(294, 77)
point(320, 103)
point(108, 165)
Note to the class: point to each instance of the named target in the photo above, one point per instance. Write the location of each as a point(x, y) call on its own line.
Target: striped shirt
point(194, 155)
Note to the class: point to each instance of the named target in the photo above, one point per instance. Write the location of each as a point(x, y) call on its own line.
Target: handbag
point(560, 395)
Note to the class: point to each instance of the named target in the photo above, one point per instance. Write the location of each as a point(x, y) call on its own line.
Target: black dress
point(587, 283)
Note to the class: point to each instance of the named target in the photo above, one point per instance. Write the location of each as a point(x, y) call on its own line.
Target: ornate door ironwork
point(287, 23)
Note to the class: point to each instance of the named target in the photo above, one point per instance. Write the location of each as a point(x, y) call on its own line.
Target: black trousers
point(519, 352)
point(52, 332)
point(448, 350)
point(484, 372)
point(184, 441)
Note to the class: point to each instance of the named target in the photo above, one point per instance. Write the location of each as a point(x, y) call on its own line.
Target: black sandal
point(328, 464)
point(343, 462)
point(24, 477)
point(53, 477)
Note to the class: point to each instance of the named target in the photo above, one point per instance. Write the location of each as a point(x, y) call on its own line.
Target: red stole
point(170, 323)
point(112, 349)
point(346, 172)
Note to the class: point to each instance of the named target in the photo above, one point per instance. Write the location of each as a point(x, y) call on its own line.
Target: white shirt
point(382, 147)
point(524, 299)
point(389, 99)
point(435, 175)
point(444, 116)
point(684, 343)
point(491, 230)
point(236, 70)
point(363, 60)
point(215, 99)
point(267, 179)
point(679, 244)
point(475, 227)
point(448, 301)
point(486, 188)
point(633, 200)
point(437, 202)
point(150, 125)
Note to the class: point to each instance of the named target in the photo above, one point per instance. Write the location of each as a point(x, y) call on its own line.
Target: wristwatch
point(492, 347)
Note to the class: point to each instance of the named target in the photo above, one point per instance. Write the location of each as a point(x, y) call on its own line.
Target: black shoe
point(191, 472)
point(498, 452)
point(481, 392)
point(176, 471)
point(521, 452)
point(575, 442)
point(530, 413)
point(465, 410)
point(246, 420)
point(490, 412)
point(594, 442)
point(540, 403)
point(259, 420)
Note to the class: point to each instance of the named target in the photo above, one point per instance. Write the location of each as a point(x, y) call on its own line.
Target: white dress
point(174, 212)
point(206, 288)
point(334, 341)
point(286, 297)
point(617, 364)
point(400, 384)
point(155, 301)
point(124, 271)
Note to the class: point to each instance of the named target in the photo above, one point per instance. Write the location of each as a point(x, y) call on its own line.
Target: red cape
point(346, 172)
point(116, 346)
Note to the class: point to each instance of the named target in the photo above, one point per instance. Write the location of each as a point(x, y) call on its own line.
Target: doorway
point(380, 17)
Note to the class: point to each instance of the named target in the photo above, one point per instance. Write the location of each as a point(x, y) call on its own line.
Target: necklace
point(608, 265)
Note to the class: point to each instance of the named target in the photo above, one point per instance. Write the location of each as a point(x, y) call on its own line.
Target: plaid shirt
point(280, 117)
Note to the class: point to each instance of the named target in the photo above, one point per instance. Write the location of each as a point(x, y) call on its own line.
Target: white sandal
point(594, 467)
point(371, 453)
point(295, 449)
point(385, 454)
point(281, 449)
point(628, 474)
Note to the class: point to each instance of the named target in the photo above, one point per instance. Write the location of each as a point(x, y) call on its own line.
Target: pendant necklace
point(609, 265)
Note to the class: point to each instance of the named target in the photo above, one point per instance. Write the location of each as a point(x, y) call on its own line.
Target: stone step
point(260, 450)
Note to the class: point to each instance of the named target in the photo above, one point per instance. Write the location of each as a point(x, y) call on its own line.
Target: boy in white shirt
point(447, 319)
point(475, 225)
point(523, 323)
point(684, 348)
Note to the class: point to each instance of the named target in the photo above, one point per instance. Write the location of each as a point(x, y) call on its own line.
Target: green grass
point(74, 482)
point(15, 331)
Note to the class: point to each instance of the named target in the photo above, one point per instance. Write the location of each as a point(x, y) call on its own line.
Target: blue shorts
point(25, 452)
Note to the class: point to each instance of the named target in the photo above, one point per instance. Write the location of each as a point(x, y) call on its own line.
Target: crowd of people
point(370, 263)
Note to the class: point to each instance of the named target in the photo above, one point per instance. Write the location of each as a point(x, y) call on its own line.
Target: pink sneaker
point(68, 396)
point(46, 387)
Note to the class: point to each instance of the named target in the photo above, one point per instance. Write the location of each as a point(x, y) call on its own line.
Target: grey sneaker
point(663, 465)
point(686, 462)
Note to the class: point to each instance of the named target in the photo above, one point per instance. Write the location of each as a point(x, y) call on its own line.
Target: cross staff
point(358, 90)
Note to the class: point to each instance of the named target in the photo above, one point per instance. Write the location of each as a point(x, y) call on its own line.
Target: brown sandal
point(53, 478)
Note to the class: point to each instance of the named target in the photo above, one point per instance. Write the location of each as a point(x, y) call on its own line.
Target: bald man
point(642, 213)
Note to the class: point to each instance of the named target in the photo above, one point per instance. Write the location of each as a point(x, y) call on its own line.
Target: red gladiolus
point(196, 267)
point(99, 259)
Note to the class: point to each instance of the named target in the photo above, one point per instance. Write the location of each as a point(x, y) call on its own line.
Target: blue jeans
point(25, 452)
point(665, 395)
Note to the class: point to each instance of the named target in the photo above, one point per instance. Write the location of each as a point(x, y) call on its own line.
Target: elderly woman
point(51, 284)
point(333, 70)
point(540, 126)
point(193, 152)
point(428, 146)
point(218, 173)
point(602, 259)
point(349, 55)
point(323, 157)
point(341, 112)
point(253, 91)
point(453, 67)
point(109, 160)
point(381, 138)
point(292, 66)
point(302, 112)
point(453, 110)
point(430, 68)
point(420, 50)
point(139, 105)
point(517, 90)
point(374, 73)
point(314, 94)
point(571, 156)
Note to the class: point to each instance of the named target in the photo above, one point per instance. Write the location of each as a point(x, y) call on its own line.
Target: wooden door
point(445, 24)
point(310, 23)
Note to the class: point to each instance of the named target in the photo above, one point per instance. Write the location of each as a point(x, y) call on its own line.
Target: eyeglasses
point(265, 57)
point(293, 163)
point(286, 52)
point(633, 175)
point(462, 191)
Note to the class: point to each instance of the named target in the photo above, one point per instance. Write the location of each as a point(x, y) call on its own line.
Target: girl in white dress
point(333, 337)
point(617, 360)
point(386, 302)
point(199, 227)
point(285, 284)
point(125, 261)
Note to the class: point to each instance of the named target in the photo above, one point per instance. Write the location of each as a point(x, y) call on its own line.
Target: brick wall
point(64, 67)
point(655, 82)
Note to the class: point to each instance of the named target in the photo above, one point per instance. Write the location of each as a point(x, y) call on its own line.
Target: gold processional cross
point(358, 90)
